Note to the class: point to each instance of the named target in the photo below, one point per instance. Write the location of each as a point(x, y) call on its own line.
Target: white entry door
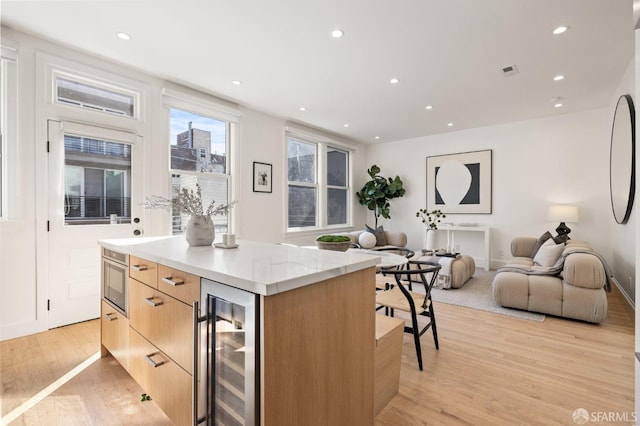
point(94, 193)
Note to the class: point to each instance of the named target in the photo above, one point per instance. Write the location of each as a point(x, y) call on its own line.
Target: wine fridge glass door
point(231, 362)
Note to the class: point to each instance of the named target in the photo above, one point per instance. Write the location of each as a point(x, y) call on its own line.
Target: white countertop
point(258, 267)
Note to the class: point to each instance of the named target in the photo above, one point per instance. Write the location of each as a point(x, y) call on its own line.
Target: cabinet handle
point(172, 281)
point(153, 303)
point(109, 317)
point(152, 362)
point(139, 268)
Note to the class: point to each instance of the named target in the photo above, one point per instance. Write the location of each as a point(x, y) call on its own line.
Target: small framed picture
point(262, 177)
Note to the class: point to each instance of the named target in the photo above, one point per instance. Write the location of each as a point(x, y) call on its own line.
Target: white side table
point(486, 236)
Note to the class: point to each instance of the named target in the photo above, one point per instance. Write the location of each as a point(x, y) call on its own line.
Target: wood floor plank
point(498, 370)
point(102, 394)
point(490, 370)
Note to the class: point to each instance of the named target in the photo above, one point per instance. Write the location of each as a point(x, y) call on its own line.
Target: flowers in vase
point(189, 202)
point(430, 219)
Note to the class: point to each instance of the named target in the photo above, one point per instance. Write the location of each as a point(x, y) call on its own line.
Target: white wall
point(623, 257)
point(555, 160)
point(18, 292)
point(262, 216)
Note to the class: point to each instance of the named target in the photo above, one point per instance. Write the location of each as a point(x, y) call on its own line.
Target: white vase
point(200, 231)
point(430, 243)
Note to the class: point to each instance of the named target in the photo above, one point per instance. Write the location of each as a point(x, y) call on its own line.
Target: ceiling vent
point(510, 70)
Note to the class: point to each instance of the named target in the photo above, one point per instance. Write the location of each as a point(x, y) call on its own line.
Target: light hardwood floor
point(490, 370)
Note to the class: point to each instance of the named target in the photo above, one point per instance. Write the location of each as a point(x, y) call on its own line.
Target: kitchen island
point(307, 336)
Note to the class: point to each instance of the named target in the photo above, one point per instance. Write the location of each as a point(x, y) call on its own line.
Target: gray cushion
point(381, 238)
point(544, 237)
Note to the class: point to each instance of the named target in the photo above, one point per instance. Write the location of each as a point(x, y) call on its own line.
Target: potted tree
point(376, 193)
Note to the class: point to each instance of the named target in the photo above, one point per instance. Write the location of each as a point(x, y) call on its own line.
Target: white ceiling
point(446, 53)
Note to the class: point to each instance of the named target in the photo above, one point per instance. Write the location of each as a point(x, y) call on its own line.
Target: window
point(319, 193)
point(97, 176)
point(76, 91)
point(337, 186)
point(199, 147)
point(303, 185)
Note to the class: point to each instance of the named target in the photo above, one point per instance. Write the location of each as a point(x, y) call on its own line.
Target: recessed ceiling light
point(560, 29)
point(302, 109)
point(450, 124)
point(428, 107)
point(337, 33)
point(557, 105)
point(236, 82)
point(377, 137)
point(346, 125)
point(394, 81)
point(123, 36)
point(558, 77)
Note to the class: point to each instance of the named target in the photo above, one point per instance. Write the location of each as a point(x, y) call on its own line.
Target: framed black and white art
point(262, 177)
point(459, 183)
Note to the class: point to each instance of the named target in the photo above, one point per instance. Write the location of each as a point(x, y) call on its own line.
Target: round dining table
point(387, 259)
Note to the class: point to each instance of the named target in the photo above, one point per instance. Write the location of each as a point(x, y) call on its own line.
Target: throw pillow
point(367, 240)
point(381, 238)
point(548, 254)
point(544, 237)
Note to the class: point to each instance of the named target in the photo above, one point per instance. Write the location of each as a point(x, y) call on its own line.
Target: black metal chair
point(384, 282)
point(415, 303)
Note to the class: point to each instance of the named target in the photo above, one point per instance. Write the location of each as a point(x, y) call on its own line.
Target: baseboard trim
point(624, 293)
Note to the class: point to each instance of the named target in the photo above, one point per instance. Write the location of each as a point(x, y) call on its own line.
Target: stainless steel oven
point(115, 269)
point(228, 362)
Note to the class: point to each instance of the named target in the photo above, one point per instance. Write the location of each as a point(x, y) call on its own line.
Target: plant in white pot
point(200, 230)
point(430, 219)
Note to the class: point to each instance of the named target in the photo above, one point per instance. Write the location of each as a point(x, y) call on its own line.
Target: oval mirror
point(622, 159)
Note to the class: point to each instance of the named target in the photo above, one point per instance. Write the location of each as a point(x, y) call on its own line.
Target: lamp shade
point(562, 214)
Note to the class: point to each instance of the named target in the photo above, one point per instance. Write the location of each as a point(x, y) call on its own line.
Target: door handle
point(109, 317)
point(152, 302)
point(172, 281)
point(152, 362)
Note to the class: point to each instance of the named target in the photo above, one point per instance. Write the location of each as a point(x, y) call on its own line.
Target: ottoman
point(461, 269)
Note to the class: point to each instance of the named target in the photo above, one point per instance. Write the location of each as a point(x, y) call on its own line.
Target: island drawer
point(163, 380)
point(143, 271)
point(115, 333)
point(164, 321)
point(181, 285)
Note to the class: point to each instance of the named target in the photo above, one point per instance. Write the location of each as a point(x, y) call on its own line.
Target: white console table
point(486, 235)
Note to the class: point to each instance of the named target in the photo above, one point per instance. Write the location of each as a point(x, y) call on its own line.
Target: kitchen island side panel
point(318, 348)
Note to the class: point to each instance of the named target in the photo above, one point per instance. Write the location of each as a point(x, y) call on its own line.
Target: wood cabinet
point(179, 284)
point(317, 353)
point(164, 321)
point(143, 271)
point(388, 355)
point(314, 344)
point(155, 343)
point(168, 384)
point(114, 329)
point(161, 336)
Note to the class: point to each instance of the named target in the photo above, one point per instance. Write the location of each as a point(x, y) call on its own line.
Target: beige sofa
point(573, 288)
point(394, 238)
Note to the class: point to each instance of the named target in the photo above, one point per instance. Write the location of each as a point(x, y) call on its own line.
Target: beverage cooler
point(228, 377)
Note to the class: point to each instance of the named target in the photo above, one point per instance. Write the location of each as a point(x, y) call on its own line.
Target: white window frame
point(322, 144)
point(95, 82)
point(207, 106)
